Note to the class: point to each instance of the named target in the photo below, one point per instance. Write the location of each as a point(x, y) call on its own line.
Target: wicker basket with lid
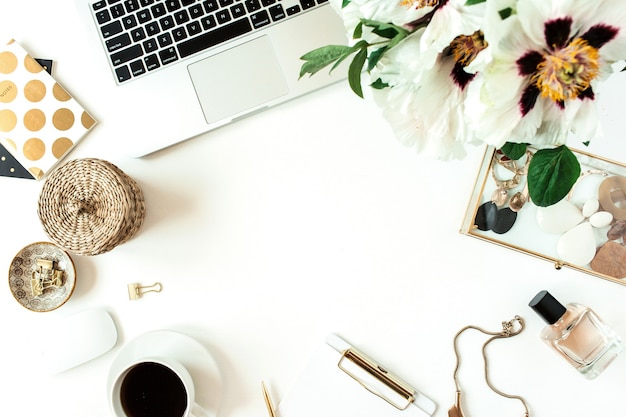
point(89, 206)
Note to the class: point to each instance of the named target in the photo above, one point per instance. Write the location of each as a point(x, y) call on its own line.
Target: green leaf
point(397, 39)
point(378, 54)
point(384, 29)
point(375, 57)
point(551, 175)
point(473, 2)
point(322, 57)
point(388, 33)
point(354, 72)
point(514, 150)
point(353, 48)
point(358, 31)
point(379, 84)
point(345, 3)
point(504, 13)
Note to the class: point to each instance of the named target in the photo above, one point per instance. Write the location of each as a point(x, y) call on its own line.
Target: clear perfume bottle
point(577, 334)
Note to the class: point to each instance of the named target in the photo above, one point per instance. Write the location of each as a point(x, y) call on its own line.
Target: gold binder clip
point(135, 290)
point(45, 276)
point(392, 385)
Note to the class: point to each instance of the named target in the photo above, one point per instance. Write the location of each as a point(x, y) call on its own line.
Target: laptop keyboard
point(142, 36)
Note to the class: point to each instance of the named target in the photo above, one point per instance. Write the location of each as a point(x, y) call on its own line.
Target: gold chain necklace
point(509, 329)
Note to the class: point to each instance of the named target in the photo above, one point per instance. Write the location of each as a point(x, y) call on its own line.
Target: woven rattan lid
point(89, 206)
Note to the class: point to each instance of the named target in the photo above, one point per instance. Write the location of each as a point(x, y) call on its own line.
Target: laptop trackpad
point(238, 79)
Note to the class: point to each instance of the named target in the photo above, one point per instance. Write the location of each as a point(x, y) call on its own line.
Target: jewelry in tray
point(610, 258)
point(509, 329)
point(591, 223)
point(507, 175)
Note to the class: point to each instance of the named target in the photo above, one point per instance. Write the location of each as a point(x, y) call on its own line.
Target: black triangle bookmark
point(9, 167)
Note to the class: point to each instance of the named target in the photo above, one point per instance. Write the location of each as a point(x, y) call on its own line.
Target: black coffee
point(153, 390)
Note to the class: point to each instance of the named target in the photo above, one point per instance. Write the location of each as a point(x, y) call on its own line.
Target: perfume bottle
point(577, 334)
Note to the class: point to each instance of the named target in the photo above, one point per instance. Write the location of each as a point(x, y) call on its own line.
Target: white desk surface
point(268, 239)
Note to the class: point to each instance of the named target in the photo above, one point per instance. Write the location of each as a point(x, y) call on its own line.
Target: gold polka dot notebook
point(40, 122)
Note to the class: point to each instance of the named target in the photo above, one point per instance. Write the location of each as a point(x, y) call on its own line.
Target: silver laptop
point(190, 66)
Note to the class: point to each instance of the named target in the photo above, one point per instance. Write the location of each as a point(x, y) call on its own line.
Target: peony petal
point(585, 123)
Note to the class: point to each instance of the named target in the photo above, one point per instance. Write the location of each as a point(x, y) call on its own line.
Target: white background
point(269, 234)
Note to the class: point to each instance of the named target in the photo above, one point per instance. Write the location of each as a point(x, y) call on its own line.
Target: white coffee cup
point(154, 386)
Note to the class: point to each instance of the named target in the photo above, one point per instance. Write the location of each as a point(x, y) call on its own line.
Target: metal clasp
point(389, 386)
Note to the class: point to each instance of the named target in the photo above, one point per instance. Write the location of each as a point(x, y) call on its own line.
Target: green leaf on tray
point(514, 150)
point(551, 175)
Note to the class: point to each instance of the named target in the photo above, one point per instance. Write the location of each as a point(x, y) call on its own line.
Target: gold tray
point(526, 235)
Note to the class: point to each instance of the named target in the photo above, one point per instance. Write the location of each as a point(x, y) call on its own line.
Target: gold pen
point(268, 400)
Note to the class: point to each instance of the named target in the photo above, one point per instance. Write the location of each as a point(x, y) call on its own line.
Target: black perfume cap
point(548, 308)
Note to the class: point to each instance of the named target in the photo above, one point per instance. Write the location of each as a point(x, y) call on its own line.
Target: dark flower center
point(466, 48)
point(565, 73)
point(463, 50)
point(566, 67)
point(419, 4)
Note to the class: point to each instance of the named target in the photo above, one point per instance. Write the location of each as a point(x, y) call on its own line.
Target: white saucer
point(182, 348)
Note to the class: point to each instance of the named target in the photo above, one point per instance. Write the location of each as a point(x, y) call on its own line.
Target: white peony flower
point(540, 85)
point(425, 106)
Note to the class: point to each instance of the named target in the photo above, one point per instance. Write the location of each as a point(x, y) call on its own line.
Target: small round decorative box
point(89, 206)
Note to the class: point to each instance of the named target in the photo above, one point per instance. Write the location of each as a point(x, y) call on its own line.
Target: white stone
point(577, 246)
point(601, 219)
point(590, 207)
point(600, 236)
point(585, 189)
point(559, 218)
